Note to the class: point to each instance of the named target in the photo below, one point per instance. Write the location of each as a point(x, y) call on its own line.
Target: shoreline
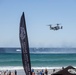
point(21, 72)
point(21, 67)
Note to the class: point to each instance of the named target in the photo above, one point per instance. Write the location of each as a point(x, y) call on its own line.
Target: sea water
point(11, 58)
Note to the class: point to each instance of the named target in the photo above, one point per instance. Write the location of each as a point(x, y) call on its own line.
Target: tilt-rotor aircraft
point(57, 27)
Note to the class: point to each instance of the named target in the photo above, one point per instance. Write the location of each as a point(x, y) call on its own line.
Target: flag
point(24, 46)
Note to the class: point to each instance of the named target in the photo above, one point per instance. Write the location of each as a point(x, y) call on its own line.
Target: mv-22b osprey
point(57, 27)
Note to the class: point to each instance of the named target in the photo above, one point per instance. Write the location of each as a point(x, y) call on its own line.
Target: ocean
point(10, 58)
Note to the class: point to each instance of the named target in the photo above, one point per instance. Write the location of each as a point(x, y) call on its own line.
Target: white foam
point(18, 50)
point(11, 68)
point(46, 67)
point(21, 67)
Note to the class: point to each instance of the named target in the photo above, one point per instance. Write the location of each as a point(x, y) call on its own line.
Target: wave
point(11, 68)
point(39, 50)
point(10, 60)
point(38, 60)
point(21, 67)
point(50, 60)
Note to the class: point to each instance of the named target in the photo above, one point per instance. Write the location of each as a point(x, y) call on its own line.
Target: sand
point(21, 72)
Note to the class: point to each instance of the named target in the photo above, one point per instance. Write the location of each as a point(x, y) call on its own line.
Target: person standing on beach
point(15, 72)
point(46, 72)
point(0, 72)
point(9, 72)
point(38, 73)
point(32, 71)
point(42, 72)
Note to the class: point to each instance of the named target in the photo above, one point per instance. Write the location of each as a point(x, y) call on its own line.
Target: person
point(4, 72)
point(32, 71)
point(0, 72)
point(46, 72)
point(9, 72)
point(15, 72)
point(42, 72)
point(62, 67)
point(53, 70)
point(37, 73)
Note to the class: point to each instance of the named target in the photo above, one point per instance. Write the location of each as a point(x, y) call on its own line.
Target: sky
point(38, 14)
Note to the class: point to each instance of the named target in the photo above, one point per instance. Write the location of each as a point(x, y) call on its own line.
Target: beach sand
point(50, 71)
point(21, 72)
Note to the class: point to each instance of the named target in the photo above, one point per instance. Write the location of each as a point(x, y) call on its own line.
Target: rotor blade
point(49, 25)
point(58, 24)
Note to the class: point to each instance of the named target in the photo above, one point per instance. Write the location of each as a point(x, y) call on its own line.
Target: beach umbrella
point(66, 71)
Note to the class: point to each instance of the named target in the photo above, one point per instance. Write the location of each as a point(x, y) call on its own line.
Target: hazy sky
point(38, 14)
